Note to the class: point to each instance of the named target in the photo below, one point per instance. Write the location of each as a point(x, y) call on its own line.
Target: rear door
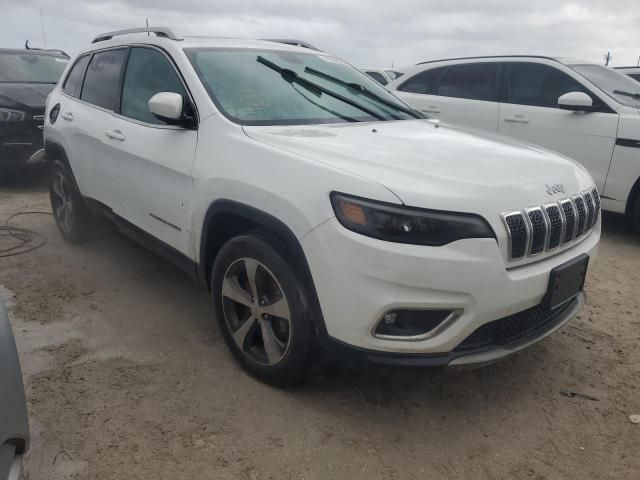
point(91, 115)
point(153, 159)
point(71, 123)
point(464, 94)
point(530, 113)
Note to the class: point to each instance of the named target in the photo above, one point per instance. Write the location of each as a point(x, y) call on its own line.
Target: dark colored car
point(26, 78)
point(14, 425)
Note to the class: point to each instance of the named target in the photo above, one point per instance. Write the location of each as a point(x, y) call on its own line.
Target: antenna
point(44, 37)
point(148, 32)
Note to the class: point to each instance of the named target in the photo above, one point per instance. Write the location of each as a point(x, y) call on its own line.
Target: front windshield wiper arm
point(362, 89)
point(292, 77)
point(635, 96)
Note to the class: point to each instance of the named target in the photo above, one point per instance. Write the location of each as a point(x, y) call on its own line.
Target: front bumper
point(475, 355)
point(358, 279)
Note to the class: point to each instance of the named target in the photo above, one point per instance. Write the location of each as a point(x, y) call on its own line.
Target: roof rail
point(53, 50)
point(630, 66)
point(489, 56)
point(291, 41)
point(159, 31)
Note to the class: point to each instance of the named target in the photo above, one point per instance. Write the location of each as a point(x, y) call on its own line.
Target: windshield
point(31, 67)
point(615, 84)
point(252, 93)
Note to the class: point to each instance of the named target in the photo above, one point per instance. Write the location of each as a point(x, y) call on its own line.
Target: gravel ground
point(127, 376)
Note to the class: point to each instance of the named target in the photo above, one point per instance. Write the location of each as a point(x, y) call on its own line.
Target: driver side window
point(148, 72)
point(540, 85)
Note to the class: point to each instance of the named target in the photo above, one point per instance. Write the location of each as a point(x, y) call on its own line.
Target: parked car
point(633, 72)
point(14, 425)
point(585, 111)
point(27, 76)
point(324, 214)
point(383, 77)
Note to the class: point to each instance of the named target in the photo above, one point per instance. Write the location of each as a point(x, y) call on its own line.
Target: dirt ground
point(127, 376)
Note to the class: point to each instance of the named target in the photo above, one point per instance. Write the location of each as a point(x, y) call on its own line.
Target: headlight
point(397, 223)
point(10, 116)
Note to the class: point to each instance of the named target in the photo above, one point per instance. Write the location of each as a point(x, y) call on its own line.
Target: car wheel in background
point(261, 308)
point(69, 210)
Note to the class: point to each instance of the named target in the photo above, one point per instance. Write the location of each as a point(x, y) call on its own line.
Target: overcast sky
point(367, 33)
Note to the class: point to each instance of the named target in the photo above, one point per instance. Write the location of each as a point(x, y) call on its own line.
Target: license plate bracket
point(566, 281)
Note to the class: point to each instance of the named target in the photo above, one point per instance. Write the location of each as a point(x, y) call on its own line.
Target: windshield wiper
point(292, 77)
point(362, 89)
point(635, 96)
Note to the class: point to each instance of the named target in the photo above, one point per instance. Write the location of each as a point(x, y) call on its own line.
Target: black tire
point(70, 213)
point(272, 274)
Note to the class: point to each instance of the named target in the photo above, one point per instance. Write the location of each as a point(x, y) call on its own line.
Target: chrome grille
point(596, 201)
point(591, 210)
point(535, 230)
point(555, 226)
point(538, 229)
point(581, 210)
point(569, 212)
point(518, 234)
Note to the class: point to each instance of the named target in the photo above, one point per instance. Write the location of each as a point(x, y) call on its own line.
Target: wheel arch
point(226, 219)
point(54, 151)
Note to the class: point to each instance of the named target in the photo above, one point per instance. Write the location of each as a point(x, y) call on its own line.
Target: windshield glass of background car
point(31, 67)
point(250, 93)
point(609, 80)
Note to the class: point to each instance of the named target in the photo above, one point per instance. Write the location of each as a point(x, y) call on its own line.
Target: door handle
point(430, 109)
point(517, 119)
point(67, 116)
point(115, 134)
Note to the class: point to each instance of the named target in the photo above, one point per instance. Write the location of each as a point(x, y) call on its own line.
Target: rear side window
point(148, 72)
point(73, 83)
point(377, 76)
point(423, 82)
point(103, 78)
point(539, 85)
point(477, 81)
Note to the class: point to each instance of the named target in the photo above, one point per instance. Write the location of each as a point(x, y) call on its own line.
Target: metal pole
point(44, 37)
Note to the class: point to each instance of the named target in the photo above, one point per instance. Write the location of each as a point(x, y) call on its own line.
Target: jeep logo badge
point(553, 189)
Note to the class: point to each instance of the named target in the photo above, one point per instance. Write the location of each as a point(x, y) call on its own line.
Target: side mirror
point(576, 102)
point(170, 107)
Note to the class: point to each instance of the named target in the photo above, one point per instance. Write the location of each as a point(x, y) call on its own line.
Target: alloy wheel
point(62, 202)
point(256, 311)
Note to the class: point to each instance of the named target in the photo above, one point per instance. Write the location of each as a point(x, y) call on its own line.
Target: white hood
point(430, 165)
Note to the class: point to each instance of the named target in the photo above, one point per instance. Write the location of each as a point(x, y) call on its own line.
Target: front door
point(156, 158)
point(530, 113)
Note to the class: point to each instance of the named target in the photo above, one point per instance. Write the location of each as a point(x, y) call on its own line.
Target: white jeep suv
point(325, 216)
point(585, 111)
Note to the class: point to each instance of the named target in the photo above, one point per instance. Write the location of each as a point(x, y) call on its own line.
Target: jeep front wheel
point(260, 305)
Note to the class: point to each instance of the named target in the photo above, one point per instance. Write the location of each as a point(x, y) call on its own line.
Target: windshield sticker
point(249, 103)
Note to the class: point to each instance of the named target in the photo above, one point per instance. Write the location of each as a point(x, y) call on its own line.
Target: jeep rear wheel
point(260, 305)
point(69, 211)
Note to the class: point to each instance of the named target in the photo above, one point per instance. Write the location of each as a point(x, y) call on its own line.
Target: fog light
point(409, 324)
